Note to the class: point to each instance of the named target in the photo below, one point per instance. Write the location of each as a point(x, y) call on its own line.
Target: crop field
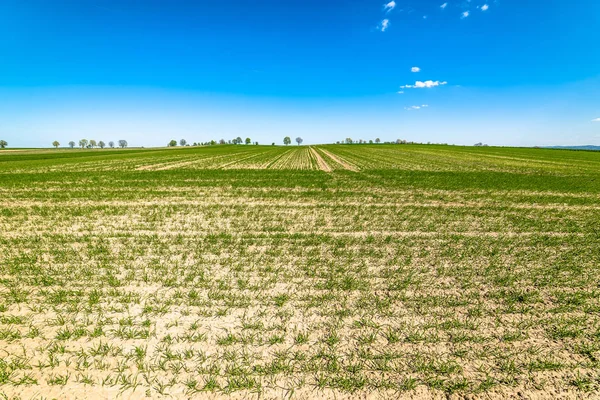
point(337, 271)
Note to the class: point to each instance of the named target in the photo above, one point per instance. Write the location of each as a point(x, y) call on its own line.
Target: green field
point(342, 271)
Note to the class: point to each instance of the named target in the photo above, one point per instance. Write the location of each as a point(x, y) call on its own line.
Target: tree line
point(377, 141)
point(397, 141)
point(91, 144)
point(238, 140)
point(183, 142)
point(360, 141)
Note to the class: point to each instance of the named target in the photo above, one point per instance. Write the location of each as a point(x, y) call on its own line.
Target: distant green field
point(337, 271)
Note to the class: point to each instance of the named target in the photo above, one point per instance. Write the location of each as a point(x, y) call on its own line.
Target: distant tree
point(55, 144)
point(238, 140)
point(287, 140)
point(3, 144)
point(173, 143)
point(299, 140)
point(377, 140)
point(93, 143)
point(478, 144)
point(212, 142)
point(71, 144)
point(248, 140)
point(256, 143)
point(273, 144)
point(370, 141)
point(360, 141)
point(348, 140)
point(83, 143)
point(101, 144)
point(222, 141)
point(111, 144)
point(182, 142)
point(122, 143)
point(229, 141)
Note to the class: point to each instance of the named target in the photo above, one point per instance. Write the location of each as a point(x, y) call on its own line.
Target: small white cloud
point(424, 16)
point(416, 107)
point(425, 105)
point(424, 85)
point(596, 120)
point(485, 7)
point(384, 25)
point(400, 92)
point(444, 6)
point(389, 6)
point(415, 69)
point(465, 15)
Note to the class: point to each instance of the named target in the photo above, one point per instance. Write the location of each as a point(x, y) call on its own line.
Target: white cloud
point(384, 25)
point(389, 6)
point(464, 15)
point(596, 120)
point(424, 85)
point(444, 6)
point(415, 69)
point(400, 92)
point(416, 107)
point(485, 7)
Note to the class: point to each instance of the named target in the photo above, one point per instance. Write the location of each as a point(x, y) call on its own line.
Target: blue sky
point(505, 72)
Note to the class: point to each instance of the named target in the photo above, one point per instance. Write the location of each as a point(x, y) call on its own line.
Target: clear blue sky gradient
point(520, 72)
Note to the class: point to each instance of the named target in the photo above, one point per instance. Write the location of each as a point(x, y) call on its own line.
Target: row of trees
point(397, 141)
point(238, 140)
point(90, 144)
point(360, 141)
point(183, 142)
